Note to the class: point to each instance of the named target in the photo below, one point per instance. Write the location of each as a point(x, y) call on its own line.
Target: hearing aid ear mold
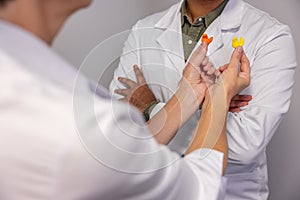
point(236, 43)
point(206, 39)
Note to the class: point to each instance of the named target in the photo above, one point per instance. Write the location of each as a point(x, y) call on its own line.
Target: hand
point(137, 93)
point(199, 73)
point(237, 101)
point(232, 80)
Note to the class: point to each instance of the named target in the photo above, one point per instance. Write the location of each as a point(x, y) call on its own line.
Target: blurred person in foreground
point(61, 141)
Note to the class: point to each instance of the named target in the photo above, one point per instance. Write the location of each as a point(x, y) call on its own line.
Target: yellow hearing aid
point(236, 43)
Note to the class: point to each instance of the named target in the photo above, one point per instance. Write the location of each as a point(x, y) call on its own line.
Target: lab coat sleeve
point(118, 159)
point(129, 57)
point(272, 73)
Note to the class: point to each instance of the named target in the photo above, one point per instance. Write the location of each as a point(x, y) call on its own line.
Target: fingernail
point(239, 49)
point(204, 44)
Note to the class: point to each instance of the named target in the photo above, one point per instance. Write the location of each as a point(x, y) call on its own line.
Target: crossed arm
point(140, 95)
point(198, 75)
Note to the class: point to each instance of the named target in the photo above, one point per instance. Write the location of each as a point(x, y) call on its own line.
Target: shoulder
point(262, 22)
point(263, 30)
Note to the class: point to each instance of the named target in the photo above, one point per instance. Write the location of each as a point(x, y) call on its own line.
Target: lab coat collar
point(167, 21)
point(230, 18)
point(232, 14)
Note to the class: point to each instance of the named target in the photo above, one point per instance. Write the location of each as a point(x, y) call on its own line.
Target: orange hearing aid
point(206, 39)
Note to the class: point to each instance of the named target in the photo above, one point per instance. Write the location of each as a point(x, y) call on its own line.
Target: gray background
point(88, 28)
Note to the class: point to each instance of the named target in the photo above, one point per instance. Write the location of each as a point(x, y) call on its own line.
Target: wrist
point(142, 97)
point(216, 96)
point(148, 109)
point(190, 96)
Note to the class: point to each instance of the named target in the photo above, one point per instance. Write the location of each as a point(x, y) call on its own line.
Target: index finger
point(199, 55)
point(127, 82)
point(139, 75)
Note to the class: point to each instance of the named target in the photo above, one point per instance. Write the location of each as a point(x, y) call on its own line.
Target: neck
point(34, 18)
point(198, 8)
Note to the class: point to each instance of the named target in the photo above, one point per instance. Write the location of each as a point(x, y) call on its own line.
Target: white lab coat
point(60, 142)
point(156, 45)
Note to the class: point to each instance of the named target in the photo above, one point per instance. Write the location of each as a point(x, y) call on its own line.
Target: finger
point(242, 98)
point(236, 58)
point(234, 110)
point(223, 68)
point(204, 45)
point(217, 73)
point(234, 104)
point(122, 92)
point(139, 75)
point(245, 64)
point(209, 79)
point(212, 70)
point(244, 74)
point(124, 100)
point(205, 61)
point(127, 82)
point(208, 67)
point(199, 55)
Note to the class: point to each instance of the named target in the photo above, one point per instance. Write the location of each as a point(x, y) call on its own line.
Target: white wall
point(105, 18)
point(89, 27)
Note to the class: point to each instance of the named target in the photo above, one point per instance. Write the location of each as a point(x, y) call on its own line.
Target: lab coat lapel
point(170, 40)
point(229, 20)
point(214, 30)
point(231, 17)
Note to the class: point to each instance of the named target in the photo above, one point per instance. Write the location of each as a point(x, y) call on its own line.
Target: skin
point(197, 8)
point(195, 86)
point(139, 94)
point(136, 90)
point(44, 18)
point(186, 100)
point(165, 124)
point(216, 105)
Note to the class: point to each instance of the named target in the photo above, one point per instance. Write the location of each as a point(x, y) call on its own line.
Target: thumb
point(245, 64)
point(199, 55)
point(236, 57)
point(244, 75)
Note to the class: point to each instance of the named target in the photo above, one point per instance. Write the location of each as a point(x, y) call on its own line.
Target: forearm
point(250, 131)
point(165, 124)
point(211, 130)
